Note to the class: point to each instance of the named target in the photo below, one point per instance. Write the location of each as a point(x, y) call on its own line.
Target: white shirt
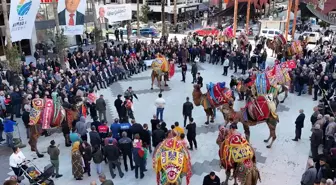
point(16, 159)
point(67, 17)
point(160, 103)
point(226, 62)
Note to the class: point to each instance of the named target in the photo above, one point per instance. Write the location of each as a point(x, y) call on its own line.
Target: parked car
point(207, 31)
point(327, 38)
point(269, 33)
point(141, 25)
point(149, 32)
point(312, 37)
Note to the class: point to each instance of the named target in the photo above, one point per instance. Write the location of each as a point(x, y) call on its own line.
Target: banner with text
point(71, 16)
point(113, 13)
point(22, 18)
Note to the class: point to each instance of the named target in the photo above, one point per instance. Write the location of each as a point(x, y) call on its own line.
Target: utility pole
point(220, 7)
point(97, 28)
point(296, 6)
point(5, 16)
point(248, 15)
point(288, 18)
point(163, 17)
point(235, 17)
point(175, 13)
point(138, 18)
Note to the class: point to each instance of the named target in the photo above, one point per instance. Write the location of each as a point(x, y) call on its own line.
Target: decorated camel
point(237, 154)
point(274, 81)
point(48, 114)
point(257, 110)
point(171, 162)
point(161, 70)
point(216, 95)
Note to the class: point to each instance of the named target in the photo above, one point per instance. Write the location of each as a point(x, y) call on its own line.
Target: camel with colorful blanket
point(274, 81)
point(48, 114)
point(236, 153)
point(162, 69)
point(171, 162)
point(216, 95)
point(256, 111)
point(280, 45)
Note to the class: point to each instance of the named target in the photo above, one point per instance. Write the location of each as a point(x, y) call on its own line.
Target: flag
point(291, 64)
point(171, 70)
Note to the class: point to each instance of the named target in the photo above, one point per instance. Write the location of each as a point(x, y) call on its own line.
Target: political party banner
point(71, 16)
point(22, 18)
point(113, 13)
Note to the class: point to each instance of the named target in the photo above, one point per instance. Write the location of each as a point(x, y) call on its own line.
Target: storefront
point(188, 12)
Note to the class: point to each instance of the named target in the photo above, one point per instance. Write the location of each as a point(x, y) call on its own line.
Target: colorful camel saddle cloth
point(243, 169)
point(218, 94)
point(160, 64)
point(38, 103)
point(172, 164)
point(262, 84)
point(236, 150)
point(257, 109)
point(280, 39)
point(47, 114)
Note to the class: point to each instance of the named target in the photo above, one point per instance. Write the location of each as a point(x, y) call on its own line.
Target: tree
point(138, 19)
point(145, 10)
point(60, 39)
point(323, 24)
point(163, 17)
point(97, 30)
point(12, 53)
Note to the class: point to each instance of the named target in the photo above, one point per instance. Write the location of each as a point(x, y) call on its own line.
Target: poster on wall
point(71, 16)
point(22, 18)
point(113, 13)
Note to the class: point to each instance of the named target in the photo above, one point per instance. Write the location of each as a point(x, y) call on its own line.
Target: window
point(207, 29)
point(271, 32)
point(312, 35)
point(277, 33)
point(264, 31)
point(45, 12)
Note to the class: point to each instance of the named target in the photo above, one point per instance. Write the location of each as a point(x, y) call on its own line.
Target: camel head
point(197, 95)
point(227, 111)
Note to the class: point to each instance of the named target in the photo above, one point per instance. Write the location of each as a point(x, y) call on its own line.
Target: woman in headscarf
point(76, 160)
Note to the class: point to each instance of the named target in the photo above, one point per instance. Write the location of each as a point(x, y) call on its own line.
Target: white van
point(270, 33)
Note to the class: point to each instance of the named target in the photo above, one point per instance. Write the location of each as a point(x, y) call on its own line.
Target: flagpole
point(248, 15)
point(288, 18)
point(235, 17)
point(296, 6)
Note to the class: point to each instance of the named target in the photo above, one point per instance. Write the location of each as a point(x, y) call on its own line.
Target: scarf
point(75, 147)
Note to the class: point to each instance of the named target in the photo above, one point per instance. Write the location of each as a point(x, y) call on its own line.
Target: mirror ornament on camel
point(237, 154)
point(274, 81)
point(162, 69)
point(171, 162)
point(216, 95)
point(257, 110)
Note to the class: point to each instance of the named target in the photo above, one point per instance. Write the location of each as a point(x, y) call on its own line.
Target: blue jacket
point(115, 129)
point(8, 125)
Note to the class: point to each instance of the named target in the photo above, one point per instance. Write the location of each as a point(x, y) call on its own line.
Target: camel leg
point(286, 95)
point(235, 181)
point(272, 134)
point(207, 122)
point(228, 173)
point(276, 101)
point(247, 132)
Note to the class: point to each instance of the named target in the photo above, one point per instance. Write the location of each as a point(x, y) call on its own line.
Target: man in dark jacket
point(187, 110)
point(184, 71)
point(101, 107)
point(146, 137)
point(211, 179)
point(136, 128)
point(118, 105)
point(191, 135)
point(54, 152)
point(158, 136)
point(16, 100)
point(125, 145)
point(95, 139)
point(299, 123)
point(25, 119)
point(316, 140)
point(194, 71)
point(154, 122)
point(112, 154)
